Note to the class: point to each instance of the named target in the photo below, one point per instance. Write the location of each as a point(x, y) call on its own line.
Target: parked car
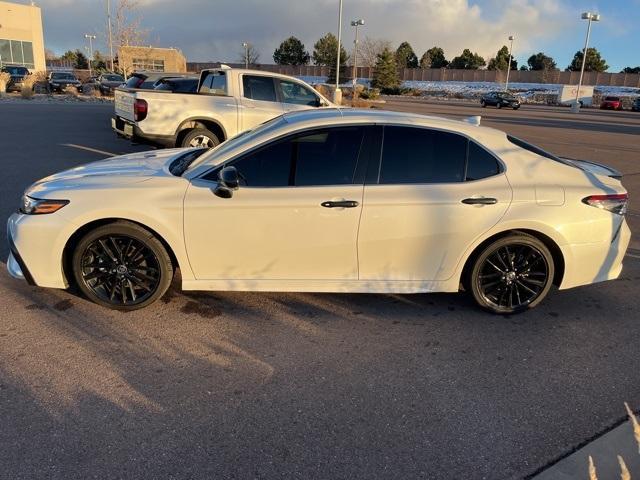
point(58, 81)
point(500, 99)
point(635, 106)
point(228, 102)
point(150, 80)
point(18, 74)
point(333, 200)
point(178, 85)
point(611, 103)
point(108, 82)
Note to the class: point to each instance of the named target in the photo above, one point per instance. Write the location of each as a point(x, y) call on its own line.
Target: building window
point(16, 52)
point(148, 64)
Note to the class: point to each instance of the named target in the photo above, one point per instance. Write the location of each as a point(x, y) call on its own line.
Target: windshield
point(63, 76)
point(113, 78)
point(243, 138)
point(16, 70)
point(507, 96)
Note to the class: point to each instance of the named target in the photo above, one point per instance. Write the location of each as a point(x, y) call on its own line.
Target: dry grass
point(624, 471)
point(634, 422)
point(71, 91)
point(322, 90)
point(28, 83)
point(592, 470)
point(4, 81)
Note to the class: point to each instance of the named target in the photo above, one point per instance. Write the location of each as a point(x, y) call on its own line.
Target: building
point(131, 59)
point(21, 39)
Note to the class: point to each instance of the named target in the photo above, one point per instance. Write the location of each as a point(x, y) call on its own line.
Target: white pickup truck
point(228, 101)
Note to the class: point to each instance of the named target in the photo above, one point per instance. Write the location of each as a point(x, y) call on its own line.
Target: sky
point(213, 30)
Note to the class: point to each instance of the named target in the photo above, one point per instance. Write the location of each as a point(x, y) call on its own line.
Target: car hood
point(112, 172)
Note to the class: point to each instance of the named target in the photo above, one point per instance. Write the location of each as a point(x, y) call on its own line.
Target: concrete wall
point(171, 58)
point(449, 75)
point(24, 23)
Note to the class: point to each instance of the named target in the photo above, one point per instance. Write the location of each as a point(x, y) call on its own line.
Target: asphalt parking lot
point(259, 385)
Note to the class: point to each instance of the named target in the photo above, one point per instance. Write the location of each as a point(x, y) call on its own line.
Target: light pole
point(91, 39)
point(337, 96)
point(591, 17)
point(246, 54)
point(506, 85)
point(110, 34)
point(355, 23)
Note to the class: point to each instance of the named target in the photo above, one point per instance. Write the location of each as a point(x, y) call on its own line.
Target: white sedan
point(328, 201)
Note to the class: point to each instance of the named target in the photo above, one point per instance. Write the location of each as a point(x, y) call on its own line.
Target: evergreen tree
point(433, 58)
point(467, 61)
point(406, 57)
point(385, 74)
point(594, 63)
point(540, 61)
point(291, 52)
point(325, 52)
point(630, 70)
point(501, 60)
point(82, 63)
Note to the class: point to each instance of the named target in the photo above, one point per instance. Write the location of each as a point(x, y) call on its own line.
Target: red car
point(611, 103)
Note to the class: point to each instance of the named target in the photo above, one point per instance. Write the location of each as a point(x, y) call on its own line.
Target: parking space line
point(633, 256)
point(89, 149)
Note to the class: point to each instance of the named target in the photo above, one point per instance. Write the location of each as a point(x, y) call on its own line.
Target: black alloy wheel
point(122, 266)
point(512, 274)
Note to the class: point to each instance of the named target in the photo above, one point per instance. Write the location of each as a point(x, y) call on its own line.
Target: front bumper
point(15, 265)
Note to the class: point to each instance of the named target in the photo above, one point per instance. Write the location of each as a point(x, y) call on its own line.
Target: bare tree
point(369, 49)
point(249, 55)
point(128, 30)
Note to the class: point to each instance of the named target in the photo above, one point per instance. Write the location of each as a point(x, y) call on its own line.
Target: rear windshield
point(537, 150)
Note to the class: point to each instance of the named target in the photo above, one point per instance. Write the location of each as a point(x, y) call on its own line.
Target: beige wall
point(23, 22)
point(169, 59)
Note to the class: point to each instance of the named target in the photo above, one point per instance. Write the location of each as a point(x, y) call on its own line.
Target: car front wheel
point(121, 266)
point(512, 274)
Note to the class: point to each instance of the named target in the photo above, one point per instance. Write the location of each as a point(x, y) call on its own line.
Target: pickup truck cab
point(227, 102)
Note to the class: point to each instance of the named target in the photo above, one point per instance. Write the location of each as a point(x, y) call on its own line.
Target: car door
point(258, 100)
point(295, 216)
point(434, 193)
point(296, 96)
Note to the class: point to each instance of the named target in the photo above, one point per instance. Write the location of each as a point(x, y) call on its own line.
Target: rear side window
point(417, 155)
point(257, 87)
point(215, 83)
point(480, 163)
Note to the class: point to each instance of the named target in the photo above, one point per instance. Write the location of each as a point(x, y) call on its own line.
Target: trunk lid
point(123, 101)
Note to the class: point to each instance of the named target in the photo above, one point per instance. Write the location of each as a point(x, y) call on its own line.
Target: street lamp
point(246, 54)
point(355, 23)
point(110, 34)
point(591, 17)
point(337, 96)
point(511, 39)
point(91, 38)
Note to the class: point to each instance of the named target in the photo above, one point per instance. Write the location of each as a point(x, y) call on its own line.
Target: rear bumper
point(130, 130)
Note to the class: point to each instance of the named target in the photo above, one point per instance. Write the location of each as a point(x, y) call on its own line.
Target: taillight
point(615, 203)
point(139, 110)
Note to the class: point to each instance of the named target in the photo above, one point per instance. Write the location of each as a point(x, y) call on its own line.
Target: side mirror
point(228, 181)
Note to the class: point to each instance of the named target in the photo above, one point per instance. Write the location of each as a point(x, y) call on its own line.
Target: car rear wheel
point(121, 266)
point(512, 274)
point(499, 105)
point(200, 137)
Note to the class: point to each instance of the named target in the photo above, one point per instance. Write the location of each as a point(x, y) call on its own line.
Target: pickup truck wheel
point(200, 137)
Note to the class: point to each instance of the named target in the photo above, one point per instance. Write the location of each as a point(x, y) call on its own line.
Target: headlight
point(36, 206)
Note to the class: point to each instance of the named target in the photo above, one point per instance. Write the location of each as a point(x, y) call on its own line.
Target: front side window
point(320, 157)
point(418, 155)
point(295, 93)
point(257, 87)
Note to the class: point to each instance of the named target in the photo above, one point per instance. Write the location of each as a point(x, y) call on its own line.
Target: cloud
point(214, 29)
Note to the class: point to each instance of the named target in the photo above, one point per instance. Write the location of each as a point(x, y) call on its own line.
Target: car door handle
point(340, 204)
point(480, 201)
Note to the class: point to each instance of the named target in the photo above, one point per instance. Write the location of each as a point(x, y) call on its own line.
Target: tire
point(498, 105)
point(512, 274)
point(483, 104)
point(200, 137)
point(516, 108)
point(121, 266)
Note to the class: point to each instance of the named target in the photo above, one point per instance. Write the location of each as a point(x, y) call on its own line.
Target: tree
point(127, 29)
point(99, 63)
point(325, 51)
point(540, 61)
point(249, 55)
point(385, 74)
point(82, 63)
point(594, 63)
point(467, 61)
point(406, 57)
point(433, 58)
point(49, 54)
point(523, 68)
point(369, 49)
point(630, 70)
point(291, 52)
point(501, 61)
point(70, 56)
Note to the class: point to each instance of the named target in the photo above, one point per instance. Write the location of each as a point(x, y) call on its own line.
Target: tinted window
point(259, 88)
point(327, 157)
point(113, 78)
point(417, 155)
point(135, 81)
point(215, 83)
point(293, 92)
point(480, 163)
point(269, 166)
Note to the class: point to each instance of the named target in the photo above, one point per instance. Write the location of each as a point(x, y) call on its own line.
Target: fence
point(450, 75)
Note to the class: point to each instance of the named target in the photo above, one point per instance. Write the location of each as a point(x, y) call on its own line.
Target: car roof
point(318, 117)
